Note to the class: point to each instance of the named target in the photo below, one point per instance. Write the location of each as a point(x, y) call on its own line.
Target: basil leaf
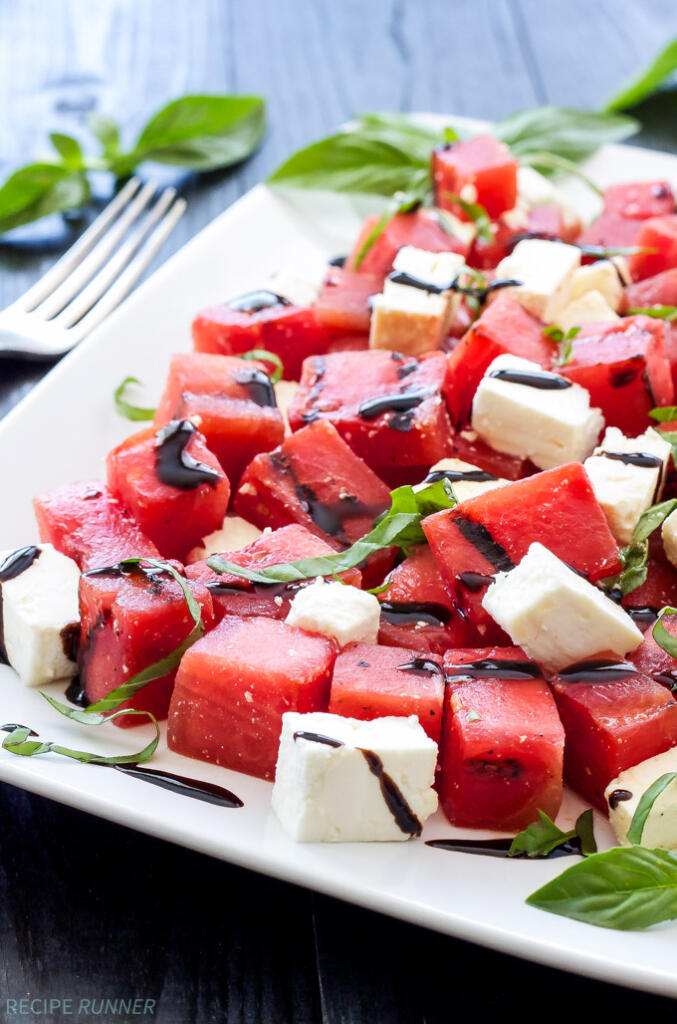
point(403, 130)
point(401, 203)
point(201, 132)
point(380, 589)
point(671, 437)
point(584, 829)
point(105, 129)
point(645, 804)
point(634, 556)
point(69, 149)
point(39, 189)
point(543, 836)
point(125, 408)
point(477, 214)
point(563, 132)
point(660, 634)
point(552, 162)
point(661, 67)
point(264, 355)
point(624, 888)
point(17, 743)
point(660, 312)
point(664, 413)
point(564, 341)
point(604, 252)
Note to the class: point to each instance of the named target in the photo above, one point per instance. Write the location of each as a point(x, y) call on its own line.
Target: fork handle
point(21, 346)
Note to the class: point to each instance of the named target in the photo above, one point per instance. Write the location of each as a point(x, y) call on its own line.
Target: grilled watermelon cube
point(502, 741)
point(231, 401)
point(625, 368)
point(172, 485)
point(611, 725)
point(128, 621)
point(469, 446)
point(639, 200)
point(387, 407)
point(342, 307)
point(261, 320)
point(493, 531)
point(88, 523)
point(234, 685)
point(650, 658)
point(233, 595)
point(422, 229)
point(480, 170)
point(371, 681)
point(659, 290)
point(658, 236)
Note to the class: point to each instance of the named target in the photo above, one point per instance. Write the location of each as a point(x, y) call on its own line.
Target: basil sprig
point(634, 556)
point(563, 341)
point(660, 634)
point(265, 356)
point(645, 804)
point(399, 527)
point(660, 68)
point(401, 202)
point(18, 742)
point(477, 214)
point(659, 312)
point(199, 132)
point(543, 836)
point(127, 409)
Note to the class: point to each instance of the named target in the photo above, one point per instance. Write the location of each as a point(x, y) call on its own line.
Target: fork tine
point(72, 284)
point(130, 275)
point(70, 259)
point(83, 302)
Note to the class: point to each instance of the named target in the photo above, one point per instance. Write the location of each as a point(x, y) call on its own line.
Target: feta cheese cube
point(329, 781)
point(40, 612)
point(284, 396)
point(408, 320)
point(464, 230)
point(558, 617)
point(534, 189)
point(435, 268)
point(302, 285)
point(590, 308)
point(669, 537)
point(336, 610)
point(624, 793)
point(602, 277)
point(548, 420)
point(465, 479)
point(627, 476)
point(234, 535)
point(546, 270)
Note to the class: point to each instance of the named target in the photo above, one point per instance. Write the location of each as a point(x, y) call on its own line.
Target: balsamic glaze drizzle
point(618, 796)
point(494, 668)
point(259, 386)
point(208, 792)
point(12, 566)
point(480, 538)
point(532, 379)
point(11, 726)
point(396, 402)
point(500, 847)
point(337, 261)
point(597, 671)
point(174, 465)
point(474, 581)
point(405, 613)
point(402, 277)
point(458, 475)
point(318, 737)
point(421, 667)
point(642, 459)
point(76, 693)
point(254, 302)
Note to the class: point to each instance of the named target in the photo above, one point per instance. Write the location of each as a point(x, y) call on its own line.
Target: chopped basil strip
point(543, 836)
point(264, 356)
point(634, 556)
point(125, 408)
point(564, 341)
point(401, 203)
point(17, 742)
point(660, 634)
point(554, 162)
point(603, 252)
point(664, 414)
point(659, 312)
point(477, 214)
point(645, 804)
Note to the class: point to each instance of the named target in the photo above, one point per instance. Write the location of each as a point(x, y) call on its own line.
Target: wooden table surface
point(89, 909)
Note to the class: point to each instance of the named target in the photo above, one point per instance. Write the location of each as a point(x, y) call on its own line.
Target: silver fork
point(93, 276)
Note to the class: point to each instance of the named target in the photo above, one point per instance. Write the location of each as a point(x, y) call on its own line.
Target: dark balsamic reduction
point(494, 668)
point(92, 492)
point(481, 292)
point(174, 465)
point(532, 379)
point(500, 847)
point(480, 538)
point(621, 378)
point(258, 385)
point(618, 796)
point(338, 261)
point(11, 726)
point(668, 678)
point(318, 737)
point(402, 277)
point(457, 475)
point(254, 302)
point(12, 566)
point(247, 587)
point(641, 459)
point(421, 667)
point(474, 581)
point(644, 616)
point(403, 401)
point(404, 371)
point(77, 694)
point(599, 671)
point(208, 792)
point(70, 638)
point(406, 613)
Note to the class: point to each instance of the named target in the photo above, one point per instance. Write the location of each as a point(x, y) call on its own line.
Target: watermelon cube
point(480, 170)
point(660, 290)
point(342, 307)
point(234, 685)
point(658, 236)
point(388, 408)
point(371, 681)
point(233, 595)
point(231, 401)
point(88, 523)
point(625, 368)
point(610, 231)
point(172, 485)
point(502, 741)
point(614, 717)
point(650, 658)
point(422, 229)
point(493, 531)
point(469, 446)
point(639, 200)
point(129, 619)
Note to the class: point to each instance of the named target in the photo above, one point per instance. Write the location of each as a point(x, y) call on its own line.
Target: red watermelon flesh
point(659, 290)
point(371, 681)
point(610, 231)
point(658, 236)
point(469, 446)
point(342, 307)
point(234, 685)
point(233, 595)
point(639, 200)
point(482, 163)
point(231, 401)
point(502, 741)
point(87, 523)
point(611, 726)
point(422, 229)
point(650, 658)
point(128, 622)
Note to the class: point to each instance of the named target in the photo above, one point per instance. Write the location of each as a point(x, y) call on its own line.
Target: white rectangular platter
point(62, 431)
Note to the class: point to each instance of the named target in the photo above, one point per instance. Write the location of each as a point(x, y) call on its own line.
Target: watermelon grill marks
point(480, 538)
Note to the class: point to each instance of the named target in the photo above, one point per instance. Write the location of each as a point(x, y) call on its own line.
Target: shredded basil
point(125, 408)
point(634, 556)
point(543, 836)
point(644, 806)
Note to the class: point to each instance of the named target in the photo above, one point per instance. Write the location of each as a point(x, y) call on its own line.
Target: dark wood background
point(89, 909)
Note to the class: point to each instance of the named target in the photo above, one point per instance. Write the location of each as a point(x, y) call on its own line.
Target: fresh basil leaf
point(562, 132)
point(563, 341)
point(634, 556)
point(200, 132)
point(403, 130)
point(477, 214)
point(671, 437)
point(69, 149)
point(540, 838)
point(584, 829)
point(402, 202)
point(380, 589)
point(125, 408)
point(105, 129)
point(660, 312)
point(664, 413)
point(644, 806)
point(17, 743)
point(264, 355)
point(39, 189)
point(661, 67)
point(660, 634)
point(552, 162)
point(624, 888)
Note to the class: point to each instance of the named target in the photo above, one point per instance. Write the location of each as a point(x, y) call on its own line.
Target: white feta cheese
point(332, 793)
point(235, 534)
point(601, 277)
point(546, 270)
point(300, 286)
point(408, 320)
point(623, 488)
point(464, 230)
point(39, 612)
point(558, 617)
point(436, 268)
point(660, 827)
point(550, 426)
point(534, 189)
point(464, 488)
point(336, 610)
point(669, 537)
point(285, 390)
point(590, 308)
